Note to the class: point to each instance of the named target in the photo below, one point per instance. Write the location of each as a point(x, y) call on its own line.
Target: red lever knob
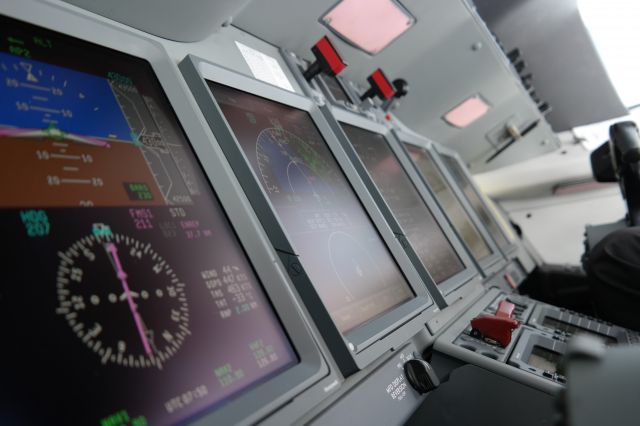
point(505, 309)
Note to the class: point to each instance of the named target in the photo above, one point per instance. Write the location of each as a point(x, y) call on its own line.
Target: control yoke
point(618, 160)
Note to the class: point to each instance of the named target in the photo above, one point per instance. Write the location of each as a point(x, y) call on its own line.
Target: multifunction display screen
point(413, 215)
point(478, 206)
point(343, 254)
point(126, 297)
point(544, 359)
point(450, 203)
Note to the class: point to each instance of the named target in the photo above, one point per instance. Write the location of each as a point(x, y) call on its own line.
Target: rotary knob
point(421, 375)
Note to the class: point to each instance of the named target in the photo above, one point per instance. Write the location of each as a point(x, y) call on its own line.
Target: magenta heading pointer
point(122, 276)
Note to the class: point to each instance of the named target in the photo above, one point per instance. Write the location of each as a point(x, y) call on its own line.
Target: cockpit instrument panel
point(487, 218)
point(415, 218)
point(450, 203)
point(341, 250)
point(126, 296)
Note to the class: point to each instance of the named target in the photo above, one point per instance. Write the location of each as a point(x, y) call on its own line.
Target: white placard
point(265, 67)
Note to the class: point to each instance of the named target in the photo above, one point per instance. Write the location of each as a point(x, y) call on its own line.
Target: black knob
point(514, 54)
point(420, 375)
point(401, 86)
point(520, 66)
point(544, 107)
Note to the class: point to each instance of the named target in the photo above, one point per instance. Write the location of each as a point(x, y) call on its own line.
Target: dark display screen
point(336, 89)
point(486, 217)
point(571, 329)
point(415, 218)
point(126, 298)
point(341, 251)
point(450, 203)
point(544, 359)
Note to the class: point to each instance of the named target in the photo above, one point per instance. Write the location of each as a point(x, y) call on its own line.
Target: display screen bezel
point(408, 147)
point(253, 404)
point(486, 264)
point(358, 343)
point(456, 281)
point(539, 352)
point(510, 245)
point(489, 264)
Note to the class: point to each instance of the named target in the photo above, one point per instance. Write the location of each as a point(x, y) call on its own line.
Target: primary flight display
point(129, 297)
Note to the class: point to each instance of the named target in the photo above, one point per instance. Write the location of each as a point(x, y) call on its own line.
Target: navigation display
point(474, 199)
point(415, 218)
point(341, 251)
point(450, 203)
point(336, 89)
point(544, 359)
point(126, 297)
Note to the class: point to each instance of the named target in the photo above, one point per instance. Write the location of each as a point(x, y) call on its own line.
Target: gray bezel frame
point(336, 116)
point(252, 405)
point(361, 346)
point(530, 338)
point(488, 265)
point(509, 250)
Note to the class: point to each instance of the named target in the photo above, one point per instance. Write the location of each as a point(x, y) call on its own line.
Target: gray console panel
point(529, 341)
point(385, 396)
point(446, 343)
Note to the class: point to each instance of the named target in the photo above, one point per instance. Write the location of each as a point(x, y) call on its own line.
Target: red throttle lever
point(496, 327)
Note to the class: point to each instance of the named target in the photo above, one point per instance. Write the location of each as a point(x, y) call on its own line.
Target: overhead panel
point(561, 56)
point(447, 57)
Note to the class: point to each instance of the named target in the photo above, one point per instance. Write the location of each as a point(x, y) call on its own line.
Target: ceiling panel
point(568, 72)
point(446, 57)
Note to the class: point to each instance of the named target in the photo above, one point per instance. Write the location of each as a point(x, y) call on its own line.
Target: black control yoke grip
point(625, 138)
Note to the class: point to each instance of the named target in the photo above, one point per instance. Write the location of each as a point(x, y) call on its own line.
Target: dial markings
point(98, 306)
